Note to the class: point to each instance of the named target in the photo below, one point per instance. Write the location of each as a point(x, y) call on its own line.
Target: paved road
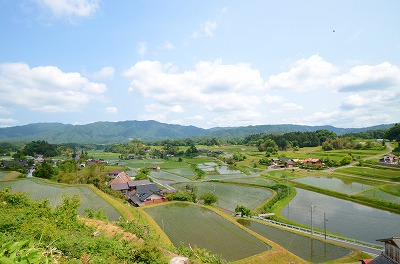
point(367, 249)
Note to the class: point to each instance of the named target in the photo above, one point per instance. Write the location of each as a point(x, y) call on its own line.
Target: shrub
point(209, 198)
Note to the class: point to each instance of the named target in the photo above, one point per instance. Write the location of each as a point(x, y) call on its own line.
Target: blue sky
point(202, 63)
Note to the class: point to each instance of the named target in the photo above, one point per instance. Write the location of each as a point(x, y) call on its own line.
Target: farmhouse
point(391, 254)
point(139, 192)
point(113, 174)
point(144, 194)
point(6, 163)
point(312, 162)
point(390, 158)
point(283, 163)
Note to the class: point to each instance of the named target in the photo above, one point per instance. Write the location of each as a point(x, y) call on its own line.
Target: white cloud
point(366, 77)
point(142, 48)
point(69, 8)
point(211, 85)
point(209, 27)
point(273, 99)
point(104, 73)
point(5, 122)
point(286, 107)
point(196, 117)
point(4, 110)
point(164, 108)
point(236, 94)
point(45, 88)
point(169, 46)
point(304, 75)
point(111, 110)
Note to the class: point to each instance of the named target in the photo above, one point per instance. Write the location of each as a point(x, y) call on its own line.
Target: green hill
point(123, 131)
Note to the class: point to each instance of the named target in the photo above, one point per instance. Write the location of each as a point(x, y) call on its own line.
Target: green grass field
point(38, 190)
point(231, 195)
point(198, 226)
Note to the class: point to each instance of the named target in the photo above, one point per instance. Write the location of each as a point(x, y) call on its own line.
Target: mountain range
point(123, 131)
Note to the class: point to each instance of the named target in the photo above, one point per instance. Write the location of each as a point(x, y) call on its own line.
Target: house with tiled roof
point(391, 255)
point(390, 158)
point(114, 173)
point(144, 194)
point(312, 162)
point(283, 162)
point(138, 193)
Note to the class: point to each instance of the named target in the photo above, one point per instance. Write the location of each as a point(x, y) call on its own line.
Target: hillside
point(123, 131)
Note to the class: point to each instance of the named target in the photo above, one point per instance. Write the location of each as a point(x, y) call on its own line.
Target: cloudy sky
point(203, 62)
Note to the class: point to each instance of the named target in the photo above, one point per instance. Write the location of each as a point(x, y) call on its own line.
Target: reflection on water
point(310, 249)
point(335, 184)
point(344, 217)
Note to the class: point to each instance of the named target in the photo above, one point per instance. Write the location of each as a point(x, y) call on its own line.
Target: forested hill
point(121, 132)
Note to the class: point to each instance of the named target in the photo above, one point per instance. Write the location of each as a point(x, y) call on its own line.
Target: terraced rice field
point(381, 173)
point(3, 174)
point(310, 249)
point(381, 195)
point(183, 172)
point(255, 180)
point(38, 190)
point(231, 195)
point(223, 177)
point(342, 185)
point(167, 176)
point(198, 226)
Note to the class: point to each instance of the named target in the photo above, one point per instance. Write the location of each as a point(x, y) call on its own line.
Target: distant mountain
point(121, 132)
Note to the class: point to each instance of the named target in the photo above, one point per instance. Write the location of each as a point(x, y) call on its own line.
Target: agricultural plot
point(255, 180)
point(183, 172)
point(317, 152)
point(310, 249)
point(381, 195)
point(381, 173)
point(347, 186)
point(141, 163)
point(167, 176)
point(226, 170)
point(222, 177)
point(108, 156)
point(195, 225)
point(3, 174)
point(231, 195)
point(392, 188)
point(38, 190)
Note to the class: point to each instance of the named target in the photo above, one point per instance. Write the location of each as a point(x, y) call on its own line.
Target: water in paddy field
point(344, 217)
point(335, 184)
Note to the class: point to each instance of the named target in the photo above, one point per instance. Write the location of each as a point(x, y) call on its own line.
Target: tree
point(393, 133)
point(40, 147)
point(239, 156)
point(208, 198)
point(143, 174)
point(244, 211)
point(192, 151)
point(45, 170)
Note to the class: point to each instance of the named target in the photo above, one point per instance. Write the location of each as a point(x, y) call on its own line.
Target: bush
point(209, 198)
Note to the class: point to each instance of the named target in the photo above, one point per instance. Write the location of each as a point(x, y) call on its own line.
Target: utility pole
point(325, 220)
point(312, 208)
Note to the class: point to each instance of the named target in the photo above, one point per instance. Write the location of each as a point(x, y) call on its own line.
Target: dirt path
point(110, 229)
